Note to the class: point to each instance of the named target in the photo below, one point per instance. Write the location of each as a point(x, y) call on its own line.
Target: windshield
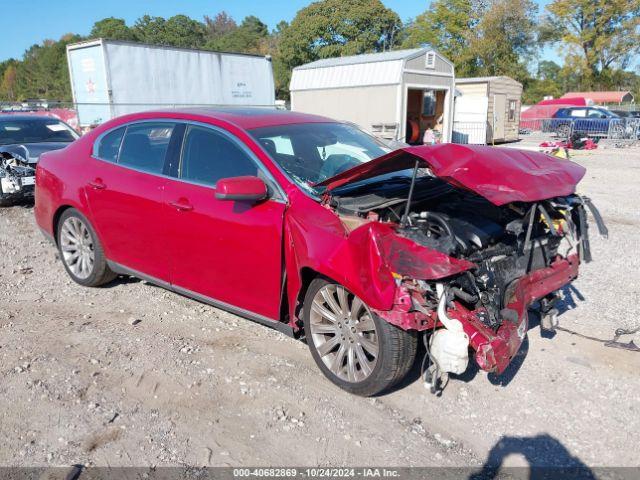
point(34, 130)
point(312, 152)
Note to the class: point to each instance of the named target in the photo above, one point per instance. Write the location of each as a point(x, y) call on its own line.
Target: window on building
point(513, 107)
point(430, 61)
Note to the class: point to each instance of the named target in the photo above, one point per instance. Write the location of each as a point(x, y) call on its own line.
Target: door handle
point(97, 184)
point(182, 206)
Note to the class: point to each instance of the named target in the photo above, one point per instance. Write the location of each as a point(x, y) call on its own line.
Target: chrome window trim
point(98, 140)
point(279, 194)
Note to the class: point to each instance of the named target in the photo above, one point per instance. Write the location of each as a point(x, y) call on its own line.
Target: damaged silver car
point(23, 138)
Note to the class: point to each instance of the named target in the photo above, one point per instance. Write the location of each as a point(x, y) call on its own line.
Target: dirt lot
point(134, 375)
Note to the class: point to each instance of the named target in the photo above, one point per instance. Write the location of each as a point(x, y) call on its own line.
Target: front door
point(228, 251)
point(125, 190)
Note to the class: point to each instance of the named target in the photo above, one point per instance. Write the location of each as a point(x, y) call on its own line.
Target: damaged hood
point(501, 175)
point(31, 151)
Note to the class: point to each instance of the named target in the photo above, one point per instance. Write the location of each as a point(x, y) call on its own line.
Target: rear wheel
point(354, 348)
point(81, 251)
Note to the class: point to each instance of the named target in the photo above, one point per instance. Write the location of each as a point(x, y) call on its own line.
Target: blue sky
point(26, 22)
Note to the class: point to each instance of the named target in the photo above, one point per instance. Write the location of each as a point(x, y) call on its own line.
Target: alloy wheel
point(344, 333)
point(77, 247)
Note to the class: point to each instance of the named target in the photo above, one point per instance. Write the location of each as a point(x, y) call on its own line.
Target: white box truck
point(111, 78)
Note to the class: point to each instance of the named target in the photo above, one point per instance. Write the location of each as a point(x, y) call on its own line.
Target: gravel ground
point(131, 374)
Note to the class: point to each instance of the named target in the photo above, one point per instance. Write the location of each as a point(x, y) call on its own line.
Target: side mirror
point(603, 116)
point(247, 189)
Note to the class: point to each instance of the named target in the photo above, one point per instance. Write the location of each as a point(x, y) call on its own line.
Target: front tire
point(80, 250)
point(354, 348)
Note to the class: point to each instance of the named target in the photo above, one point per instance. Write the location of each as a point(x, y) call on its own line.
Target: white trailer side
point(112, 78)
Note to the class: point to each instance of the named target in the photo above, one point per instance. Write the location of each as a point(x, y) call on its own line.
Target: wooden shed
point(487, 110)
point(395, 95)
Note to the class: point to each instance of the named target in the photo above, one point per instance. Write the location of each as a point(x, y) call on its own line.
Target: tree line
point(597, 42)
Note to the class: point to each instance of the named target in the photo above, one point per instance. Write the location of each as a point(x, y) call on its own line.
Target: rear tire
point(354, 348)
point(80, 250)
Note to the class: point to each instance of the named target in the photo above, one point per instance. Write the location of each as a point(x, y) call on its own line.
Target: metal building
point(110, 78)
point(487, 110)
point(395, 95)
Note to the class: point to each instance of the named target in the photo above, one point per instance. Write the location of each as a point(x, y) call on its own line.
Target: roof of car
point(250, 117)
point(14, 117)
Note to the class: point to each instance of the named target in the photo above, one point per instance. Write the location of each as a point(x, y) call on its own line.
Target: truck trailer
point(111, 78)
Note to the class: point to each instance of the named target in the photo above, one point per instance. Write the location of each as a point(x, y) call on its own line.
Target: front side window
point(145, 145)
point(312, 152)
point(107, 147)
point(596, 113)
point(208, 156)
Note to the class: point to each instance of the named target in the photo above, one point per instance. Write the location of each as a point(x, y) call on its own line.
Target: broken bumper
point(494, 349)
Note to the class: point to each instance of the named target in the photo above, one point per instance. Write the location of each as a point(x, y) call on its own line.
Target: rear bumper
point(493, 349)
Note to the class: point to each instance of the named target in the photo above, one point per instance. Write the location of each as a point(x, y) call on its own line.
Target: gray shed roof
point(366, 58)
point(483, 79)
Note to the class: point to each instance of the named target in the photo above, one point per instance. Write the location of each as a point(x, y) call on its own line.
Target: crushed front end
point(467, 270)
point(17, 176)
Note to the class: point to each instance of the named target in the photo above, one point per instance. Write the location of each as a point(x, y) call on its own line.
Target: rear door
point(125, 191)
point(227, 251)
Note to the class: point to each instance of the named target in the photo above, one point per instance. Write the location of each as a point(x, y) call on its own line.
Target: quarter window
point(109, 145)
point(208, 156)
point(145, 145)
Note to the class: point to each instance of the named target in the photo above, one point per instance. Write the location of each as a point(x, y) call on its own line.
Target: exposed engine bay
point(17, 174)
point(504, 243)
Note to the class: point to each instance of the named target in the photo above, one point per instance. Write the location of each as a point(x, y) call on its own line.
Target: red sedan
point(315, 228)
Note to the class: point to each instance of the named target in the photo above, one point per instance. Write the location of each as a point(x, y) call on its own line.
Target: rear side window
point(145, 145)
point(208, 156)
point(108, 146)
point(579, 112)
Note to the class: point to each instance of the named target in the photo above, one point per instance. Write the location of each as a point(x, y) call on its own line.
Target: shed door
point(470, 119)
point(499, 114)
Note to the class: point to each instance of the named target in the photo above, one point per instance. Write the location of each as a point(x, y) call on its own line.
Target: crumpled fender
point(363, 260)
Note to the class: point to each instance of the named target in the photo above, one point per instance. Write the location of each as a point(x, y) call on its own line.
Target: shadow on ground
point(546, 456)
